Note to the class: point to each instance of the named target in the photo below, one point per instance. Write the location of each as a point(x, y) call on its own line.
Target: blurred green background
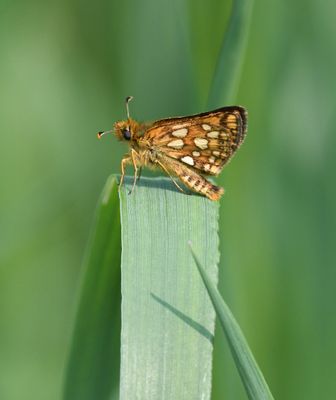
point(65, 70)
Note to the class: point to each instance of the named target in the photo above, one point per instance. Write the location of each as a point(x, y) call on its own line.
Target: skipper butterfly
point(184, 147)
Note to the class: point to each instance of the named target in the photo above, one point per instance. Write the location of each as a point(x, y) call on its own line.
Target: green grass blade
point(167, 316)
point(93, 367)
point(231, 55)
point(252, 378)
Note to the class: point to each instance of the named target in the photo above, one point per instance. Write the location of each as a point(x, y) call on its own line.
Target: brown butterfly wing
point(204, 141)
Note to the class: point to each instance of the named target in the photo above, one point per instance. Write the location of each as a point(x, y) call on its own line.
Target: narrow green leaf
point(93, 367)
point(231, 56)
point(252, 378)
point(167, 316)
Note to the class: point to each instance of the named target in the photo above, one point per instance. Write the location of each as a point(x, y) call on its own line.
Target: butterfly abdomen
point(200, 185)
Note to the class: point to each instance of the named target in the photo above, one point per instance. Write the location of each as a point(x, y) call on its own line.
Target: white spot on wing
point(201, 143)
point(213, 134)
point(188, 160)
point(206, 167)
point(211, 160)
point(216, 153)
point(176, 144)
point(214, 169)
point(196, 153)
point(180, 132)
point(206, 127)
point(232, 125)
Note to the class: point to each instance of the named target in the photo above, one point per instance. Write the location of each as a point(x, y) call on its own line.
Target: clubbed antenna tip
point(100, 134)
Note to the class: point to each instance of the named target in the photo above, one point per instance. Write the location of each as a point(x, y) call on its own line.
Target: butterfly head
point(123, 130)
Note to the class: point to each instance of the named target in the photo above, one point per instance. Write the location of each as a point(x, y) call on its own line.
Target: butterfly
point(184, 147)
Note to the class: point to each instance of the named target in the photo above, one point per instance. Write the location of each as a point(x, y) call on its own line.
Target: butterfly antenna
point(128, 99)
point(100, 134)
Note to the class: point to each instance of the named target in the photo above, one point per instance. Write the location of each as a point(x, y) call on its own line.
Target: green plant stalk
point(94, 360)
point(251, 376)
point(230, 60)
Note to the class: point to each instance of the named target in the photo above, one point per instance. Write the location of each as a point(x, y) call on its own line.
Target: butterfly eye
point(127, 134)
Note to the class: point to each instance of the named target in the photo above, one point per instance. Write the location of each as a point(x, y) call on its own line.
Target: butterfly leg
point(139, 175)
point(125, 160)
point(134, 156)
point(170, 176)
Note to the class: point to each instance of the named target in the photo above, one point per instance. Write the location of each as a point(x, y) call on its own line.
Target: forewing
point(204, 141)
